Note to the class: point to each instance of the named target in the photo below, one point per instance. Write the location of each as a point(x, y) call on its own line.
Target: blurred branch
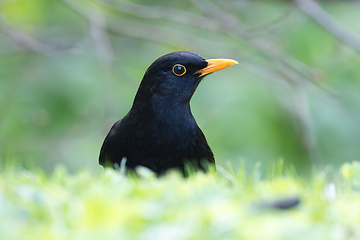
point(98, 26)
point(158, 34)
point(185, 17)
point(300, 108)
point(306, 127)
point(146, 31)
point(275, 23)
point(156, 12)
point(312, 9)
point(24, 40)
point(226, 20)
point(100, 37)
point(240, 32)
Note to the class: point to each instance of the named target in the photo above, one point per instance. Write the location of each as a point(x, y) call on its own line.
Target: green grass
point(58, 106)
point(222, 205)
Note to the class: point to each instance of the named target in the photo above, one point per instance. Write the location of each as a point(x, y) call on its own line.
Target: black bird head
point(173, 78)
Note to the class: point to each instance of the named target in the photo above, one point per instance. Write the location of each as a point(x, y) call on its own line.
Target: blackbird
point(159, 132)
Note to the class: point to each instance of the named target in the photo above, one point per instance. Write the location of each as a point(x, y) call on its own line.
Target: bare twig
point(146, 31)
point(24, 40)
point(306, 127)
point(312, 9)
point(300, 109)
point(239, 32)
point(98, 26)
point(156, 12)
point(164, 35)
point(100, 37)
point(225, 19)
point(269, 26)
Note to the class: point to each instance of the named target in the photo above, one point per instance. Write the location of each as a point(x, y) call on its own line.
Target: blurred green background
point(70, 69)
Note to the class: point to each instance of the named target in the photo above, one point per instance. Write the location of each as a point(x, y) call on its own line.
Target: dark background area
point(70, 69)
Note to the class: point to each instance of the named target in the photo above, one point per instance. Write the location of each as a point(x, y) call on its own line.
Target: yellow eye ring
point(179, 70)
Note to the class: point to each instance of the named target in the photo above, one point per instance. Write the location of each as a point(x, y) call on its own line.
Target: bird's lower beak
point(215, 65)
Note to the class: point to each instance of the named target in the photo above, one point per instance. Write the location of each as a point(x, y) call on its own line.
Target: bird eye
point(179, 70)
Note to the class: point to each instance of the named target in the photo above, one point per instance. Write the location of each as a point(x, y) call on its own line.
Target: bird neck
point(167, 109)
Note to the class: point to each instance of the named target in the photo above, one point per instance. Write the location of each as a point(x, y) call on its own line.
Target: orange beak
point(215, 65)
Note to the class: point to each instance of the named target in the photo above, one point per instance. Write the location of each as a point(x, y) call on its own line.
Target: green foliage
point(70, 69)
point(110, 205)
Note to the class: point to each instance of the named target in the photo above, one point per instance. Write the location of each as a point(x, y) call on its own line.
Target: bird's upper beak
point(215, 65)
